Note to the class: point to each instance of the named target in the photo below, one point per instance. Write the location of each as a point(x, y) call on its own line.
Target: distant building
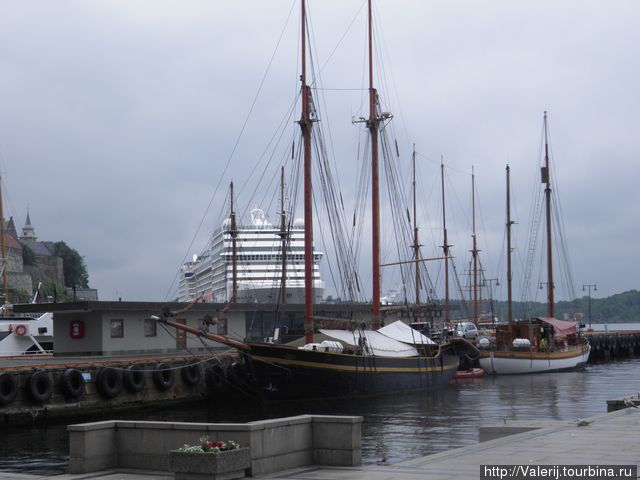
point(46, 268)
point(17, 277)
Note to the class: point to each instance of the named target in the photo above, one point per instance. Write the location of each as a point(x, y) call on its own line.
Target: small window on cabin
point(150, 327)
point(117, 328)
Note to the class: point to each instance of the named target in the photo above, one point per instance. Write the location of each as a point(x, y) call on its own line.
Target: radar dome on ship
point(258, 218)
point(298, 223)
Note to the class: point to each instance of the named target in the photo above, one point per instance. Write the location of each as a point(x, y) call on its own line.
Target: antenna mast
point(375, 191)
point(416, 244)
point(305, 127)
point(234, 252)
point(283, 237)
point(474, 251)
point(3, 245)
point(509, 274)
point(546, 178)
point(445, 247)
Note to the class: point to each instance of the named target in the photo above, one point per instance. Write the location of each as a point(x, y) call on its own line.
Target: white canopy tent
point(402, 332)
point(373, 342)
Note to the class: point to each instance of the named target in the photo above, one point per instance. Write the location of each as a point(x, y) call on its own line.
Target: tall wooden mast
point(509, 273)
point(445, 247)
point(3, 245)
point(372, 123)
point(305, 127)
point(474, 252)
point(234, 251)
point(416, 243)
point(283, 239)
point(546, 178)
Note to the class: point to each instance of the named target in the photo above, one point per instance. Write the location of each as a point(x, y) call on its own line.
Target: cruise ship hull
point(295, 295)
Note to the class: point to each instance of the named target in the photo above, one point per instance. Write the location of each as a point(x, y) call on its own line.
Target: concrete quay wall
point(27, 408)
point(613, 344)
point(275, 445)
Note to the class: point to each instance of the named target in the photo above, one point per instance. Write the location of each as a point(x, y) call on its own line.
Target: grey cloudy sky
point(117, 118)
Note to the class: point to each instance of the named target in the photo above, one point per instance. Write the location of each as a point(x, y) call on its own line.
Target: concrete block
point(92, 448)
point(343, 458)
point(138, 461)
point(336, 436)
point(85, 427)
point(275, 441)
point(265, 465)
point(283, 422)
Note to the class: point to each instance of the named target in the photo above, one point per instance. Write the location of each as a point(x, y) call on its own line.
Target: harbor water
point(396, 428)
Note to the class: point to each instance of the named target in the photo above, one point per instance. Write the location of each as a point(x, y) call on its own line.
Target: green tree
point(55, 292)
point(28, 257)
point(17, 295)
point(75, 270)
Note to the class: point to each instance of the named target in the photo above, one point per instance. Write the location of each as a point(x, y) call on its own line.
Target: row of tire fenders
point(110, 381)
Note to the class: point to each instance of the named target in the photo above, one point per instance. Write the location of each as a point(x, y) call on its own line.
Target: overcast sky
point(117, 119)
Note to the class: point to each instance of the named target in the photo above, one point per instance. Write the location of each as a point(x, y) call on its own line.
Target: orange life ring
point(20, 330)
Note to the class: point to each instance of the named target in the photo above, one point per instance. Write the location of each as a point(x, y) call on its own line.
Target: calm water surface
point(395, 428)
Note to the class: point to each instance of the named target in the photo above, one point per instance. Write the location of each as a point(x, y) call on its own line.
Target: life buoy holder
point(20, 330)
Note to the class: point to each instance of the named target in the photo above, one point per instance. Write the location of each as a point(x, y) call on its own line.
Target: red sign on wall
point(77, 328)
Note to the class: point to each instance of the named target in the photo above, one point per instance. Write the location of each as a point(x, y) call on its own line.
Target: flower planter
point(226, 465)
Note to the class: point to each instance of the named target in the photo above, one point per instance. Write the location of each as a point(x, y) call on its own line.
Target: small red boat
point(471, 373)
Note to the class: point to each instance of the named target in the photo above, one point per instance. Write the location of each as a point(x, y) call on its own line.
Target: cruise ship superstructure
point(258, 265)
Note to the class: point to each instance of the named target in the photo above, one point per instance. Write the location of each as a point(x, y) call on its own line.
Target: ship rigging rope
point(233, 151)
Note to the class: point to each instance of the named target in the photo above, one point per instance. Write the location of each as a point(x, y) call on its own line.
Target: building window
point(150, 327)
point(221, 327)
point(117, 328)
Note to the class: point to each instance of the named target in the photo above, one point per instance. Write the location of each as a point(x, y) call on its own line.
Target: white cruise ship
point(258, 263)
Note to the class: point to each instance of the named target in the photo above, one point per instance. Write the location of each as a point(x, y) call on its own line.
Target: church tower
point(28, 232)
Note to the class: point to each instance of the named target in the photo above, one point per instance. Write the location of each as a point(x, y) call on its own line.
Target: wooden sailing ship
point(360, 360)
point(541, 344)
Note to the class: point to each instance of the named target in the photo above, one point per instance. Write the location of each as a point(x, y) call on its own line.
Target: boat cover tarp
point(404, 333)
point(376, 343)
point(561, 327)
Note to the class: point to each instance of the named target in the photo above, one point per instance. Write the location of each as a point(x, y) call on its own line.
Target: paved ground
point(613, 438)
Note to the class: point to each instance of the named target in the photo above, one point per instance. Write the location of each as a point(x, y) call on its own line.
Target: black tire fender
point(72, 383)
point(163, 377)
point(40, 386)
point(109, 382)
point(191, 374)
point(8, 388)
point(134, 379)
point(216, 380)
